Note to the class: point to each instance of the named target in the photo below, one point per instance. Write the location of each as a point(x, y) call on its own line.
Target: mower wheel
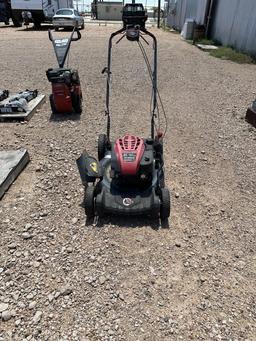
point(162, 181)
point(165, 204)
point(53, 108)
point(102, 146)
point(89, 201)
point(77, 104)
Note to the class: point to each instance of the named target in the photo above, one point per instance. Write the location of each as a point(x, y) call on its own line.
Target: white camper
point(37, 10)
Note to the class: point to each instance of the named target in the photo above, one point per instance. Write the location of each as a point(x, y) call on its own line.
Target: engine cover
point(129, 151)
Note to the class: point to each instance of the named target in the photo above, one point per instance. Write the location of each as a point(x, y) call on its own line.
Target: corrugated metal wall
point(234, 24)
point(180, 10)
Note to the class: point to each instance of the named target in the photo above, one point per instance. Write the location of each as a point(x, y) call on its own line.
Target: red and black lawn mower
point(128, 177)
point(66, 94)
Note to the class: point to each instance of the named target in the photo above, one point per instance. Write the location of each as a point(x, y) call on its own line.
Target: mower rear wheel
point(53, 108)
point(89, 206)
point(165, 204)
point(102, 146)
point(77, 104)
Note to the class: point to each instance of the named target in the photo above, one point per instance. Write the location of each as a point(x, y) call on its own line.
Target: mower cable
point(144, 53)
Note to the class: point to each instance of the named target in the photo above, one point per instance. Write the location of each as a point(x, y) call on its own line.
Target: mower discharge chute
point(128, 177)
point(66, 94)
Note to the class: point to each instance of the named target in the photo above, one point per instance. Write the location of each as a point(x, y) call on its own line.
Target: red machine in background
point(66, 94)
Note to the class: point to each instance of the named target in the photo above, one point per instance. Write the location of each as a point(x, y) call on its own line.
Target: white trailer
point(38, 10)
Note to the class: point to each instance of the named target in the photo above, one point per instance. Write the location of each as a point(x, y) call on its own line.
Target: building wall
point(234, 24)
point(180, 10)
point(109, 11)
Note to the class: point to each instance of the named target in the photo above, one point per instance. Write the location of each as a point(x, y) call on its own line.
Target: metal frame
point(61, 64)
point(154, 78)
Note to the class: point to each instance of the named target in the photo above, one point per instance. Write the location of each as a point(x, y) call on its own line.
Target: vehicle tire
point(102, 146)
point(165, 207)
point(53, 108)
point(6, 22)
point(17, 22)
point(37, 25)
point(56, 29)
point(89, 205)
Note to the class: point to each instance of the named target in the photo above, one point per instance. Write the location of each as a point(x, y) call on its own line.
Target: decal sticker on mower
point(127, 201)
point(94, 167)
point(129, 157)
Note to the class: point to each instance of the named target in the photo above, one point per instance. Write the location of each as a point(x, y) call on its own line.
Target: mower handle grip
point(78, 34)
point(50, 35)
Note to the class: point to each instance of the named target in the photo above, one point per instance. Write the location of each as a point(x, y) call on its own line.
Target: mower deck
point(115, 202)
point(33, 105)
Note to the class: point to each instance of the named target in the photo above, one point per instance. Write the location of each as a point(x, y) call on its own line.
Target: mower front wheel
point(165, 208)
point(89, 206)
point(102, 146)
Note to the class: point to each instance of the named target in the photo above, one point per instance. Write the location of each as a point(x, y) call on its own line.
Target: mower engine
point(132, 160)
point(66, 90)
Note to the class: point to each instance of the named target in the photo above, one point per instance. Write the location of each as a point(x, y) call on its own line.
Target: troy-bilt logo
point(127, 201)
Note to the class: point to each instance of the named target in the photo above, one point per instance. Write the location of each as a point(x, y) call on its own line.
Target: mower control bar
point(132, 34)
point(62, 46)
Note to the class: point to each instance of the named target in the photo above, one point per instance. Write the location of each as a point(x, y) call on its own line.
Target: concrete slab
point(207, 47)
point(12, 162)
point(33, 105)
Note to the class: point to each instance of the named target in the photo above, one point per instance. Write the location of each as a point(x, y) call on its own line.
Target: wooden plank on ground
point(33, 105)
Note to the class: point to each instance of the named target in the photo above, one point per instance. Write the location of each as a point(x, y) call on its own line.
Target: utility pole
point(158, 13)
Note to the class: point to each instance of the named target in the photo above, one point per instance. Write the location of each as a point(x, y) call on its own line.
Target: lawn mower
point(66, 94)
point(128, 177)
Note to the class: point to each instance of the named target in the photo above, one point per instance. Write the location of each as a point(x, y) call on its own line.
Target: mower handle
point(78, 34)
point(50, 35)
point(72, 39)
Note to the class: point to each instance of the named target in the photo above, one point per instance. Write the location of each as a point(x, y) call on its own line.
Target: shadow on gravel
point(127, 222)
point(6, 26)
point(65, 117)
point(32, 28)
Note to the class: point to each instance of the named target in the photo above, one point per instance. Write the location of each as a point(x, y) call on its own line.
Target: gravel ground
point(62, 279)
